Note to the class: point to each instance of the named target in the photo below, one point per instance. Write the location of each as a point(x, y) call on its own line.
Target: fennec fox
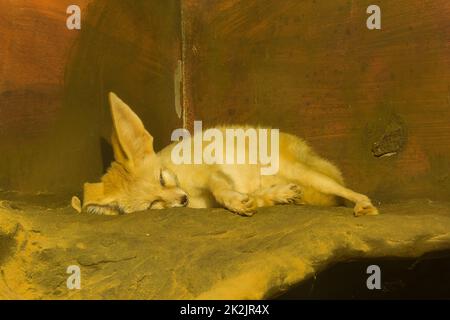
point(141, 179)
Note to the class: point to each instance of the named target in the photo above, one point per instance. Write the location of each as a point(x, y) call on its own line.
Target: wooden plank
point(313, 68)
point(54, 115)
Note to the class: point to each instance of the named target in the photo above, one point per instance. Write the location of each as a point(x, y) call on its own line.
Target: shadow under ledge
point(427, 277)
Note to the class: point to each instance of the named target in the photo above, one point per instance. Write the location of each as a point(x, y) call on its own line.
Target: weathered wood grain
point(314, 69)
point(54, 117)
point(307, 67)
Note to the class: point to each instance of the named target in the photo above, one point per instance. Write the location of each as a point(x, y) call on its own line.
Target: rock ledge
point(200, 254)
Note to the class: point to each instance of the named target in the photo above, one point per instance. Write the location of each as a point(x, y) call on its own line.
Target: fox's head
point(136, 180)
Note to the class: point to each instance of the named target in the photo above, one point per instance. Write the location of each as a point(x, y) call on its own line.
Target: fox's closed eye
point(161, 179)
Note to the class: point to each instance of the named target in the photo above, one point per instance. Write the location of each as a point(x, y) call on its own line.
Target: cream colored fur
point(140, 179)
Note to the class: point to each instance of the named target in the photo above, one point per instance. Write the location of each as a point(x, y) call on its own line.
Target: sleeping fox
point(140, 179)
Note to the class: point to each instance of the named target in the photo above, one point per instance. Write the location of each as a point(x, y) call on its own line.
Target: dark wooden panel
point(314, 69)
point(35, 45)
point(307, 67)
point(131, 48)
point(54, 117)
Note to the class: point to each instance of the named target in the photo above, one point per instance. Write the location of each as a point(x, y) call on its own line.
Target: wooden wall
point(35, 45)
point(54, 116)
point(309, 67)
point(313, 68)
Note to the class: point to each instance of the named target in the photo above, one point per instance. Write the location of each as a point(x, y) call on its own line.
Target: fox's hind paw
point(365, 208)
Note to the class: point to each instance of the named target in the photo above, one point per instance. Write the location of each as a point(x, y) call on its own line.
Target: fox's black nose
point(184, 200)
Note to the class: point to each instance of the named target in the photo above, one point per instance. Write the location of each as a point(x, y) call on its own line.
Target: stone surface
point(189, 254)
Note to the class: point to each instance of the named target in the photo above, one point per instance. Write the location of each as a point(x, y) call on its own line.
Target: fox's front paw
point(365, 208)
point(288, 194)
point(240, 203)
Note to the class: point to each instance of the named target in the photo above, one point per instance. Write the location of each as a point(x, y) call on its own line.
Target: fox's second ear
point(95, 201)
point(131, 142)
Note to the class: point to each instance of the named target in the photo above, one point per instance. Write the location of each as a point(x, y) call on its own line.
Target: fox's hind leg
point(222, 189)
point(307, 177)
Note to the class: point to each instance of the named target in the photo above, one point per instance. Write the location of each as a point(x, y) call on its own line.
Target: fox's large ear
point(131, 142)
